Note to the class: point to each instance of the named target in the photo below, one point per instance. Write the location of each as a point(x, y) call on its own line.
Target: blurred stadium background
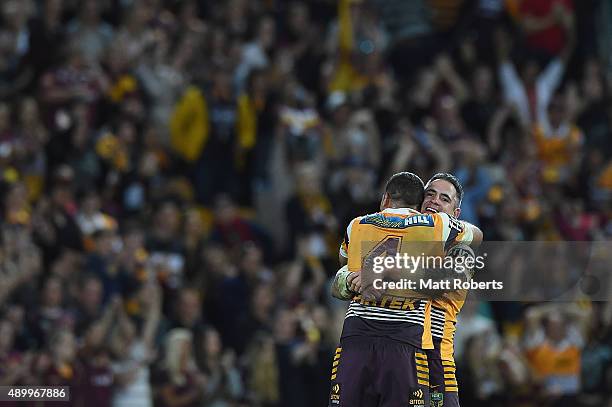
point(176, 177)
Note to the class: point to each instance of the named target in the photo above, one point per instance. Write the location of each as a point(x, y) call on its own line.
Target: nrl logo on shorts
point(416, 398)
point(436, 399)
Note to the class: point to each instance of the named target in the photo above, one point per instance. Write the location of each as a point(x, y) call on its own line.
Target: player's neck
point(399, 206)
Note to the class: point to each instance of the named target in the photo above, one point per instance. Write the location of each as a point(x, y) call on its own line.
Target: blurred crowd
point(176, 177)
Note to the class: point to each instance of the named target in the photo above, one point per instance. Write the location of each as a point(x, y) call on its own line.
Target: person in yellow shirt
point(558, 141)
point(554, 339)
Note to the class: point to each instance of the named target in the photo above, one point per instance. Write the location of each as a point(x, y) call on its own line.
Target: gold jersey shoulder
point(396, 231)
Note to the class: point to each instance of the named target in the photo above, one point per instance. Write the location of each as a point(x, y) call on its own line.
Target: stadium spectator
point(531, 91)
point(179, 381)
point(188, 313)
point(134, 352)
point(224, 381)
point(553, 345)
point(89, 32)
point(16, 366)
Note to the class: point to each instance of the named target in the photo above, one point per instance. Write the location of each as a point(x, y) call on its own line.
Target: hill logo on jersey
point(417, 398)
point(395, 222)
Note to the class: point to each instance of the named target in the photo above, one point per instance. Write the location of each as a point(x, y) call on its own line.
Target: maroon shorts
point(442, 381)
point(378, 372)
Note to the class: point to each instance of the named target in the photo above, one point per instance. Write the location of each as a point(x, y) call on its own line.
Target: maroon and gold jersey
point(399, 318)
point(445, 308)
point(443, 312)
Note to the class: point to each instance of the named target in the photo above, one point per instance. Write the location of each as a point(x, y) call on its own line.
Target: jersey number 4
point(389, 246)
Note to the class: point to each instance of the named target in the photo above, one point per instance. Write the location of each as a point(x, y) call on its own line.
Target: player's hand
point(371, 294)
point(354, 282)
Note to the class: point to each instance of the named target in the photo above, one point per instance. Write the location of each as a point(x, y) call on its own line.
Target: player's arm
point(459, 238)
point(460, 248)
point(475, 235)
point(343, 252)
point(339, 285)
point(342, 260)
point(462, 268)
point(457, 231)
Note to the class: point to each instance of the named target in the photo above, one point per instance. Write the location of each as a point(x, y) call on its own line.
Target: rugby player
point(380, 361)
point(443, 194)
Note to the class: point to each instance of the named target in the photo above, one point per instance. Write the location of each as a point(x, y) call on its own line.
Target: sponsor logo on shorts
point(436, 399)
point(335, 394)
point(417, 398)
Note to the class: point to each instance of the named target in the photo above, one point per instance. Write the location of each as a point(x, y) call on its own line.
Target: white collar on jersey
point(400, 211)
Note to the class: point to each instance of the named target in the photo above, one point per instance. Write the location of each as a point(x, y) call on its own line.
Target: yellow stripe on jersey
point(427, 338)
point(448, 363)
point(452, 307)
point(422, 369)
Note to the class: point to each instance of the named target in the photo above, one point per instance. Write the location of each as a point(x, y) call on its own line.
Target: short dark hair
point(406, 188)
point(453, 180)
